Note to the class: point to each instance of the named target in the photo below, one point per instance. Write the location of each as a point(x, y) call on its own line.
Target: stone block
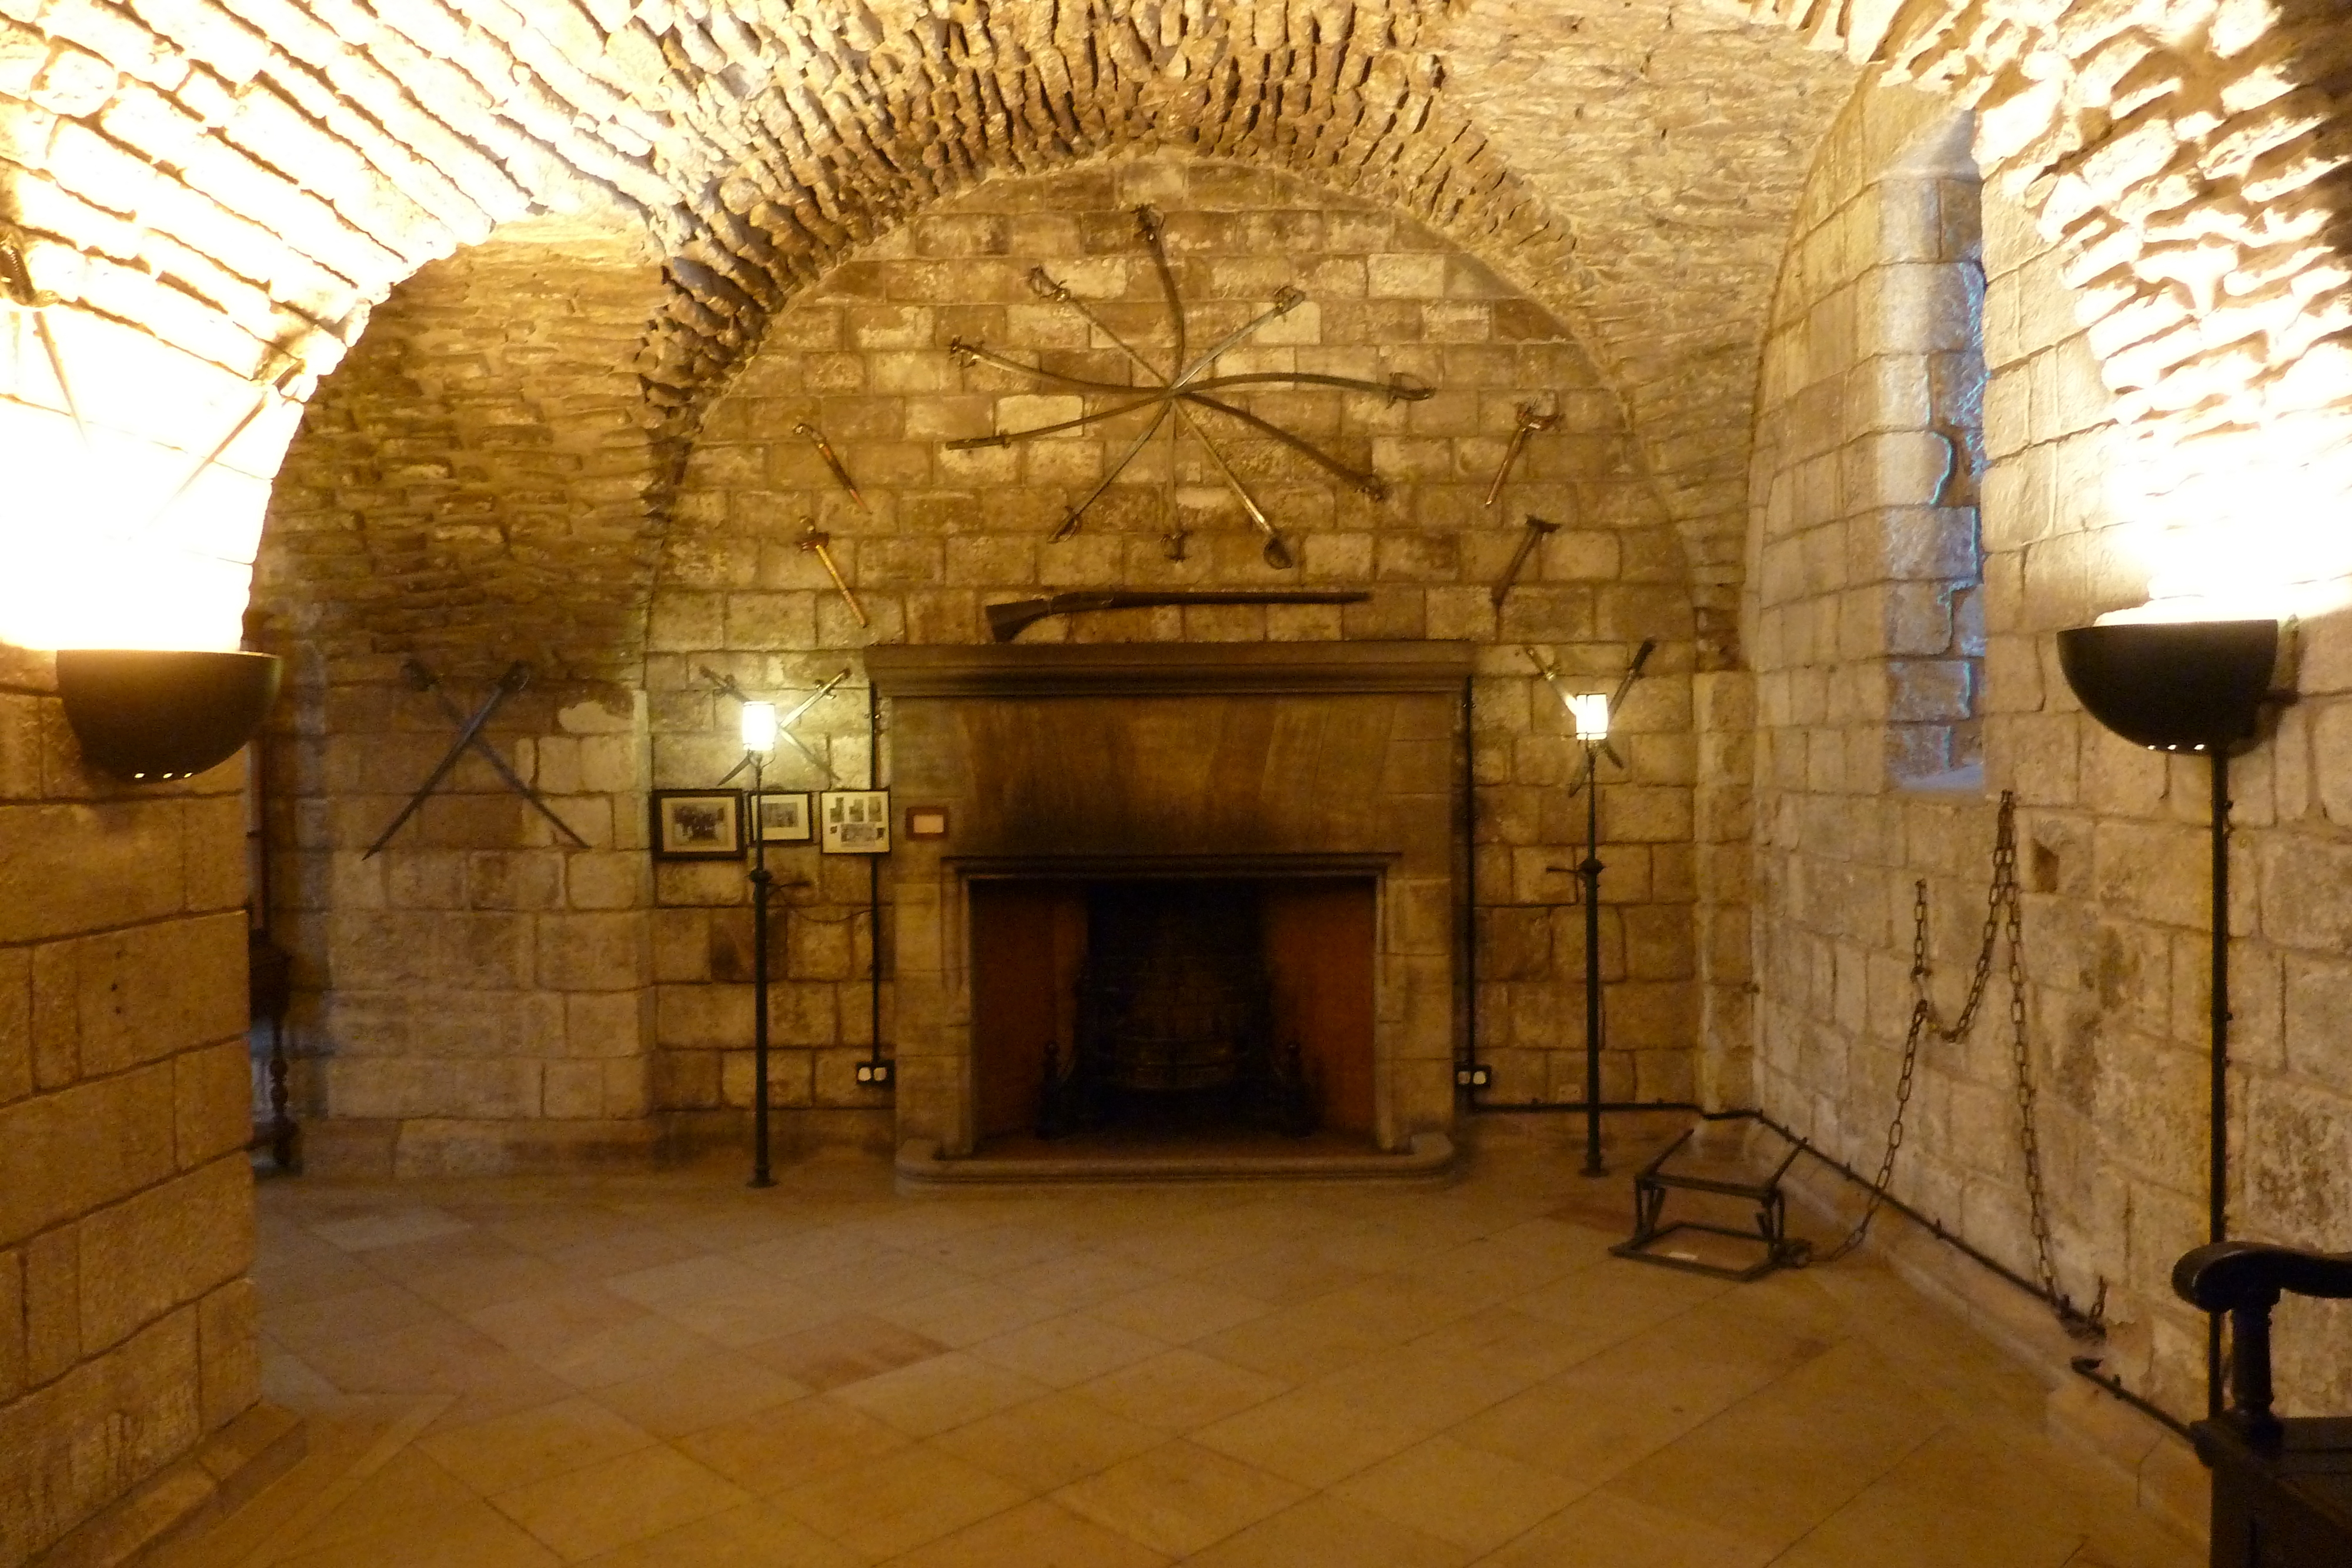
point(15, 1023)
point(591, 952)
point(212, 1090)
point(607, 1024)
point(229, 1352)
point(165, 1248)
point(75, 868)
point(65, 1154)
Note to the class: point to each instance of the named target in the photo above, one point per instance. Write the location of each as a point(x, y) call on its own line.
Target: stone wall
point(126, 1323)
point(2112, 848)
point(862, 355)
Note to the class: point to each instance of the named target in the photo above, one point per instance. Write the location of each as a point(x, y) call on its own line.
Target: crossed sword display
point(785, 722)
point(469, 736)
point(1171, 397)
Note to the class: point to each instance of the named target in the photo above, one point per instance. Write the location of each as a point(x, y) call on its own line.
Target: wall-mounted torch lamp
point(2189, 687)
point(151, 716)
point(1588, 711)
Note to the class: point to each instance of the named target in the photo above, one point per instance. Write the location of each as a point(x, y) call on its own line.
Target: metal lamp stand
point(1588, 872)
point(760, 879)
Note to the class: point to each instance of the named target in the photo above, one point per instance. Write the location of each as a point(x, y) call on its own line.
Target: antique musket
point(1005, 621)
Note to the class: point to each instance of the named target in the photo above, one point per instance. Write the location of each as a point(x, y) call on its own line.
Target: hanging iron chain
point(2004, 924)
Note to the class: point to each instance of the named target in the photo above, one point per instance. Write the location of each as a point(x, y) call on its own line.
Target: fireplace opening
point(1146, 1010)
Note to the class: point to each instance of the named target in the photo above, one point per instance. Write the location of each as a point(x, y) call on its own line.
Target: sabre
point(840, 475)
point(1530, 421)
point(1537, 528)
point(518, 677)
point(423, 680)
point(820, 545)
point(783, 725)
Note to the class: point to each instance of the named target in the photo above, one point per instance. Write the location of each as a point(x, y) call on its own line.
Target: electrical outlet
point(877, 1073)
point(1477, 1076)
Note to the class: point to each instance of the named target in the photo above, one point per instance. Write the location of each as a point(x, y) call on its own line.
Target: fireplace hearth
point(1196, 894)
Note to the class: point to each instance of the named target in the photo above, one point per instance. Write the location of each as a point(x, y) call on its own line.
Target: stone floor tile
point(1180, 1310)
point(844, 1350)
point(555, 1320)
point(619, 1501)
point(471, 1534)
point(1037, 1534)
point(1050, 1442)
point(512, 1450)
point(966, 1315)
point(1310, 1436)
point(409, 1488)
point(936, 1395)
point(1328, 1532)
point(752, 1315)
point(1068, 1349)
point(913, 1497)
point(1180, 1497)
point(378, 1309)
point(1080, 1279)
point(696, 1277)
point(388, 1228)
point(788, 1446)
point(756, 1535)
point(621, 1251)
point(1477, 1501)
point(1602, 1529)
point(1602, 1412)
point(487, 1283)
point(1420, 1389)
point(1772, 1466)
point(1181, 1390)
point(702, 1391)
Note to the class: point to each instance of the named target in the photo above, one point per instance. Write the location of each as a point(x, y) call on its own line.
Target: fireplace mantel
point(1167, 669)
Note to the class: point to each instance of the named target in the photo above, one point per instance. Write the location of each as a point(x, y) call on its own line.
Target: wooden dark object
point(2281, 1487)
point(1006, 621)
point(269, 970)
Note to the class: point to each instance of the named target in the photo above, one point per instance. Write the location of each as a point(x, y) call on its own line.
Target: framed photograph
point(927, 821)
point(697, 824)
point(855, 822)
point(781, 816)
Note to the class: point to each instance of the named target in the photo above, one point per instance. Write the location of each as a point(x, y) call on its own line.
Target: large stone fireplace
point(1269, 820)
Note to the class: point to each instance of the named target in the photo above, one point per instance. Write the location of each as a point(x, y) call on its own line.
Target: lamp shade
point(151, 716)
point(2174, 686)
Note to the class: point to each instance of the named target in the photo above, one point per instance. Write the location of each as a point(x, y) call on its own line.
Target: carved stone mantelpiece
point(1195, 760)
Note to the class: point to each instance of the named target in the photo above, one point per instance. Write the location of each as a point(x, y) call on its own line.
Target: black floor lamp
point(758, 739)
point(2189, 687)
point(1590, 713)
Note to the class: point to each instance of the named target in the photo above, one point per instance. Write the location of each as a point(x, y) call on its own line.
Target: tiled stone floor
point(670, 1369)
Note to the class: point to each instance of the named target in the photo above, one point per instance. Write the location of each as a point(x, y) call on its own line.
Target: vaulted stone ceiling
point(1633, 164)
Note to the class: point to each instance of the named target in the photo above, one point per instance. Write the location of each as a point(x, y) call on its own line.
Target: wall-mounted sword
point(1537, 528)
point(833, 460)
point(820, 544)
point(517, 677)
point(1530, 421)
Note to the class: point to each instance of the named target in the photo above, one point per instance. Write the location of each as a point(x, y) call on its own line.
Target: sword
point(518, 677)
point(1530, 421)
point(784, 725)
point(840, 474)
point(422, 680)
point(821, 545)
point(1537, 528)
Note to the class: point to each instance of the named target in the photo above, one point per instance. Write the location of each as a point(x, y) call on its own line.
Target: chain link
point(2004, 919)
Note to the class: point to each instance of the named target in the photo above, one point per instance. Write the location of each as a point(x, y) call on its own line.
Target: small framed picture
point(927, 821)
point(781, 816)
point(697, 824)
point(855, 822)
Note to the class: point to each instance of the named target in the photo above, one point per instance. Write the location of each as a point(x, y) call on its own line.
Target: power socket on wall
point(877, 1073)
point(1476, 1076)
